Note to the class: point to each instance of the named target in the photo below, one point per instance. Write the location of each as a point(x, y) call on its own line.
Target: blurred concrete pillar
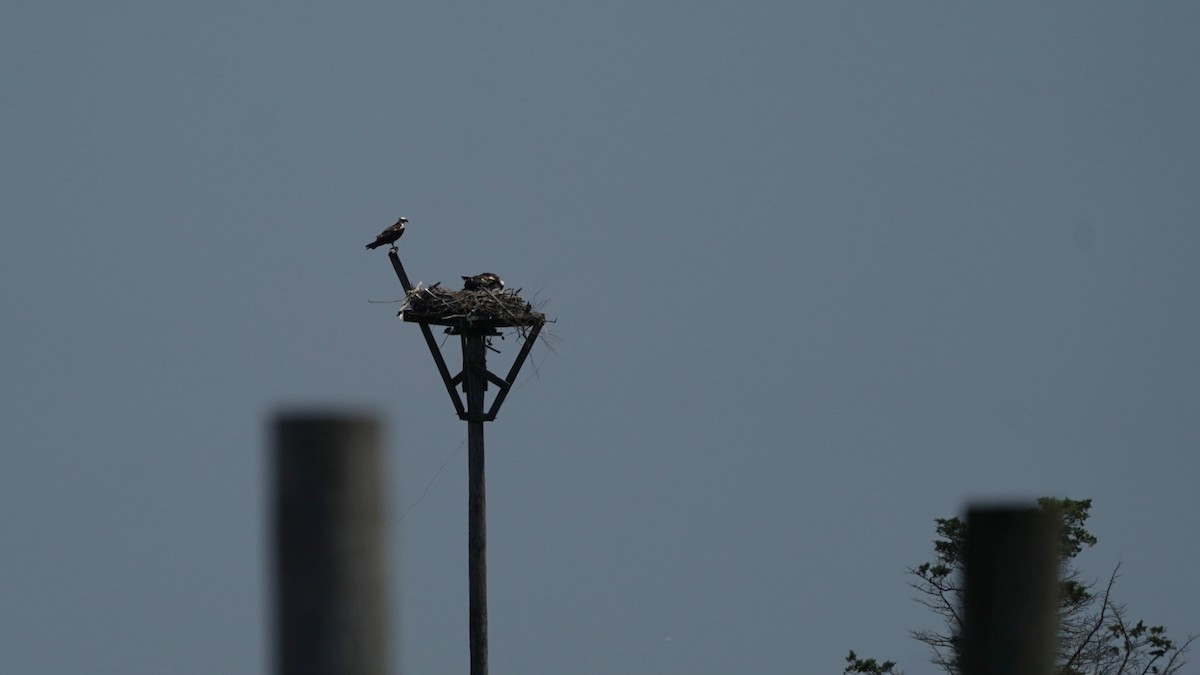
point(1011, 597)
point(329, 546)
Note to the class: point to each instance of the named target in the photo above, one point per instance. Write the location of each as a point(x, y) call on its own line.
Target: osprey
point(485, 281)
point(390, 235)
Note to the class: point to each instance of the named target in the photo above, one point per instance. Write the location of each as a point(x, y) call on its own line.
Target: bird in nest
point(390, 235)
point(479, 282)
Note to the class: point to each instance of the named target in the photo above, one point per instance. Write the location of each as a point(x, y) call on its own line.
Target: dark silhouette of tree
point(1095, 635)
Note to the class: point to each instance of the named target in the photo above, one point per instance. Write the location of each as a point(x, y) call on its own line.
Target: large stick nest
point(497, 309)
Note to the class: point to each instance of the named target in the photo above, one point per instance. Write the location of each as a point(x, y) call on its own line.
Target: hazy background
point(822, 273)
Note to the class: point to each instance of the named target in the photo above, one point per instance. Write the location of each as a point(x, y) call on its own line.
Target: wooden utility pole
point(329, 552)
point(1011, 599)
point(475, 320)
point(475, 367)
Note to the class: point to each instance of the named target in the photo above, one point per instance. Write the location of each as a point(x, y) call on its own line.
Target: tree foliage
point(869, 666)
point(1096, 635)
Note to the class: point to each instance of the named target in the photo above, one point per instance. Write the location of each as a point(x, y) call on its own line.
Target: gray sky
point(823, 273)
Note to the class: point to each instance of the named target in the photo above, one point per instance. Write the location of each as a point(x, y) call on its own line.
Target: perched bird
point(390, 235)
point(487, 281)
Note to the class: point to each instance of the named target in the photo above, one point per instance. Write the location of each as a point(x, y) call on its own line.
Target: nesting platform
point(470, 310)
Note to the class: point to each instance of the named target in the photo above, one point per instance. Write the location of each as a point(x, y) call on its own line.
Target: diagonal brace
point(403, 276)
point(433, 348)
point(444, 371)
point(512, 372)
